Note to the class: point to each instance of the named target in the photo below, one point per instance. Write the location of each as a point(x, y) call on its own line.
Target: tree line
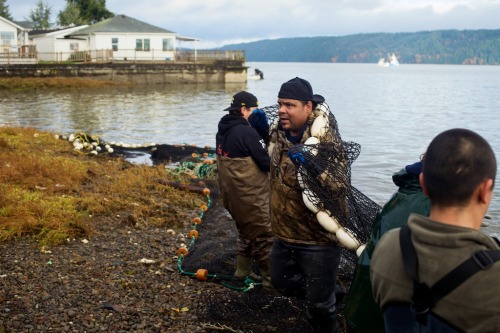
point(76, 12)
point(474, 47)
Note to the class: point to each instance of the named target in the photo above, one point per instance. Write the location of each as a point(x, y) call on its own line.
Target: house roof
point(14, 24)
point(38, 32)
point(55, 32)
point(120, 23)
point(25, 24)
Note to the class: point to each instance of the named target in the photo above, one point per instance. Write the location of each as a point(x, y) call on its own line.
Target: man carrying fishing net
point(305, 256)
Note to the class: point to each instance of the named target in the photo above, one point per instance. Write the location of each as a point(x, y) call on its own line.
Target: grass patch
point(51, 192)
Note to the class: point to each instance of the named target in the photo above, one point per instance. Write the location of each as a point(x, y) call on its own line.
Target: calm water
point(392, 112)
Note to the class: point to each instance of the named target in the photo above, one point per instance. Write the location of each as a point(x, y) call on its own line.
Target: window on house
point(114, 44)
point(168, 44)
point(7, 37)
point(138, 44)
point(73, 46)
point(142, 44)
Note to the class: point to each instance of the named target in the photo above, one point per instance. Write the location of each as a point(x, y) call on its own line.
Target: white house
point(12, 36)
point(129, 39)
point(117, 38)
point(55, 46)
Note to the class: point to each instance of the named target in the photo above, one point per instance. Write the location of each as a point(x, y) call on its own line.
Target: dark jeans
point(308, 272)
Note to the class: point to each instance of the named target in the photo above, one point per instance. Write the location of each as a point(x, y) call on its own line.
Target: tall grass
point(51, 192)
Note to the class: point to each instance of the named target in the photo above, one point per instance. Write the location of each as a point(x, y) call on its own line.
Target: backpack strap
point(424, 298)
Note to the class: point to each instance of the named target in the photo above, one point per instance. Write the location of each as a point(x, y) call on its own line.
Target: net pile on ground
point(229, 309)
point(214, 249)
point(254, 312)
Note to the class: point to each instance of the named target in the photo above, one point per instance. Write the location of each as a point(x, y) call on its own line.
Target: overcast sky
point(220, 22)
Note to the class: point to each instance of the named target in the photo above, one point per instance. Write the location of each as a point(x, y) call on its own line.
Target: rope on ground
point(203, 166)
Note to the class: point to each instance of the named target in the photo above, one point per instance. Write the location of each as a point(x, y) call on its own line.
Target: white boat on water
point(392, 61)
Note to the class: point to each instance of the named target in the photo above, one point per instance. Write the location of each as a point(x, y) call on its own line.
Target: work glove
point(258, 120)
point(296, 157)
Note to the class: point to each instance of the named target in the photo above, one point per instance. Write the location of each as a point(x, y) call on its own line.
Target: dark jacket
point(236, 138)
point(362, 314)
point(243, 163)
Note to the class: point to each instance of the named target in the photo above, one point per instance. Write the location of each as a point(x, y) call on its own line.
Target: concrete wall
point(140, 73)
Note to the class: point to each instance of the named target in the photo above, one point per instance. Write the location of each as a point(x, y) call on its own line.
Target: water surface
point(393, 112)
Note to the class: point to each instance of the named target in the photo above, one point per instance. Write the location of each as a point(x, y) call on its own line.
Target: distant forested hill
point(474, 47)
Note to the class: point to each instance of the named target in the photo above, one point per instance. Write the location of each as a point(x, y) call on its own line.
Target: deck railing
point(107, 55)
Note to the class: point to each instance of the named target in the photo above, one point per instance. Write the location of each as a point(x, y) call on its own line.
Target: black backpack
point(418, 316)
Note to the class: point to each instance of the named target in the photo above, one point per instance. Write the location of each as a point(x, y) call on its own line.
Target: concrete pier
point(219, 71)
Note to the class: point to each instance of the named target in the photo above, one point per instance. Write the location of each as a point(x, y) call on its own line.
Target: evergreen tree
point(70, 16)
point(40, 16)
point(92, 11)
point(4, 10)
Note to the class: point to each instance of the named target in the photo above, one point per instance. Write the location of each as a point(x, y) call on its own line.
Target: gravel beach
point(122, 279)
point(122, 273)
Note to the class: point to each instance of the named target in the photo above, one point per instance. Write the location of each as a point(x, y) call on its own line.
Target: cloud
point(218, 22)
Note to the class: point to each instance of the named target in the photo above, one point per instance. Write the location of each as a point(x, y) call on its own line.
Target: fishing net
point(240, 306)
point(245, 306)
point(254, 312)
point(210, 255)
point(320, 163)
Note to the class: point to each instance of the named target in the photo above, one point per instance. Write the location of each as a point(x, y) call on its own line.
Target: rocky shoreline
point(121, 272)
point(123, 279)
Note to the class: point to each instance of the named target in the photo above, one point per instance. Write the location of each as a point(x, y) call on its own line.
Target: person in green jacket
point(362, 314)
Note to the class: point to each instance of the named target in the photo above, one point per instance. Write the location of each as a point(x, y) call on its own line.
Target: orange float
point(193, 233)
point(202, 274)
point(183, 251)
point(206, 191)
point(196, 220)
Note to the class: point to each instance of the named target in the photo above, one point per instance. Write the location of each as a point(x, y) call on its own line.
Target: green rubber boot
point(266, 279)
point(244, 268)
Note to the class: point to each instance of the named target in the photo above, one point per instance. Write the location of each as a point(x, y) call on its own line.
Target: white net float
point(306, 194)
point(320, 125)
point(360, 250)
point(329, 223)
point(310, 142)
point(347, 239)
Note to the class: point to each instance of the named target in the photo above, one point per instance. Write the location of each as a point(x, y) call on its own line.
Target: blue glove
point(258, 120)
point(296, 157)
